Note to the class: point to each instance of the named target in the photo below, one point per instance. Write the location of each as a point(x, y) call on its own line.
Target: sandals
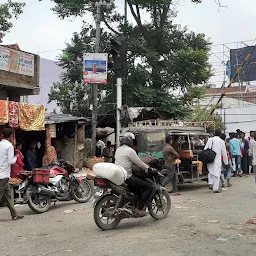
point(17, 217)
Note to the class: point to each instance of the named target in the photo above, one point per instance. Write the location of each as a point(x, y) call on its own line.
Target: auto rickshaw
point(150, 140)
point(190, 169)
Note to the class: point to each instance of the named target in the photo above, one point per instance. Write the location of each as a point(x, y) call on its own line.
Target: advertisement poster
point(16, 61)
point(95, 68)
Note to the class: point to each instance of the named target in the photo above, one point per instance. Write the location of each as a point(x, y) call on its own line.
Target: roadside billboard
point(95, 68)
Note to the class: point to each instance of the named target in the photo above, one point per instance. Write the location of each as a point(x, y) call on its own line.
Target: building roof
point(64, 118)
point(226, 102)
point(235, 89)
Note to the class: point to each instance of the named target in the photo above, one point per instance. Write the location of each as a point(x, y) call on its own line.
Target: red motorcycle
point(57, 182)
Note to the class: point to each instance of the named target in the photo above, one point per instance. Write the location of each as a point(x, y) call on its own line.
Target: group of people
point(243, 150)
point(29, 162)
point(13, 162)
point(7, 159)
point(235, 156)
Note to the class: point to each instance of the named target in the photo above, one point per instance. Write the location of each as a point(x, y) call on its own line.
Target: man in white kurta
point(214, 168)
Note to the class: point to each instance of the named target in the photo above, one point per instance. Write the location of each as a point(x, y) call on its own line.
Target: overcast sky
point(39, 30)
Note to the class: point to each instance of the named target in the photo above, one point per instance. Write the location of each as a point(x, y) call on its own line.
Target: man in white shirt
point(7, 159)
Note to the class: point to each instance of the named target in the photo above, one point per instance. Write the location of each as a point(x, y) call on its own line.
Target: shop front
point(28, 124)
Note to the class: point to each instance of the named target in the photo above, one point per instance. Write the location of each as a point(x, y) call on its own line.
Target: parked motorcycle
point(114, 203)
point(63, 185)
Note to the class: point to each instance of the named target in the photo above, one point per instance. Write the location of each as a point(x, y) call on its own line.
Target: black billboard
point(237, 57)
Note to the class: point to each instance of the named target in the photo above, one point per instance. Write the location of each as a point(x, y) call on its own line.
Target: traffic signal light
point(118, 54)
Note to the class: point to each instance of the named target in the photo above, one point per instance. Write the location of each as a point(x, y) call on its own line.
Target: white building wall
point(243, 118)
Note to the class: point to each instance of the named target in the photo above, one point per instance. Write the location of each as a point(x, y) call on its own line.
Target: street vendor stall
point(28, 123)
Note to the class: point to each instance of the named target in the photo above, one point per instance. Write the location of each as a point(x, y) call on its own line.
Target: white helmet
point(127, 138)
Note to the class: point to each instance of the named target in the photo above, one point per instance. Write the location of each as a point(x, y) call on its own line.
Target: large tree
point(163, 58)
point(8, 11)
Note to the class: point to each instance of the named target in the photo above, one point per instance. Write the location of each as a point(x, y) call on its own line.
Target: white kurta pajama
point(214, 168)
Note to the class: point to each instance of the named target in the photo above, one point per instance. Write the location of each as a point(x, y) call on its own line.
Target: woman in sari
point(50, 156)
point(19, 165)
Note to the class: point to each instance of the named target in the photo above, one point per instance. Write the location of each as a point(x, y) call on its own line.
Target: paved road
point(200, 223)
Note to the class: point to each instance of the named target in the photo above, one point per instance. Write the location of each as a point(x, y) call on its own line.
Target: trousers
point(5, 196)
point(170, 177)
point(237, 164)
point(143, 187)
point(214, 181)
point(244, 164)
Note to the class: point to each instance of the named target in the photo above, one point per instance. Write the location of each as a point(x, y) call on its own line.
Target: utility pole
point(119, 80)
point(95, 86)
point(118, 107)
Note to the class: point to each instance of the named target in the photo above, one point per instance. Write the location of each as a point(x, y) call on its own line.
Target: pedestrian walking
point(235, 147)
point(245, 149)
point(7, 158)
point(214, 168)
point(250, 156)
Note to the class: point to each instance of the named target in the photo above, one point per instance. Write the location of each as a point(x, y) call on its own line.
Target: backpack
point(207, 156)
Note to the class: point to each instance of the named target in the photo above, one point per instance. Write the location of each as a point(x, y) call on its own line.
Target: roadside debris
point(213, 221)
point(222, 239)
point(251, 221)
point(69, 211)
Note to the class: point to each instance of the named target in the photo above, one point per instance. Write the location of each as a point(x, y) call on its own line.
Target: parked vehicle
point(150, 140)
point(54, 183)
point(113, 203)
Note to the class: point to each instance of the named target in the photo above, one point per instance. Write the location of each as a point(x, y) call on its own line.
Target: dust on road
point(200, 223)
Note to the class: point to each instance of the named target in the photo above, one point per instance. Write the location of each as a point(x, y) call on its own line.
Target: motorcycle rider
point(126, 156)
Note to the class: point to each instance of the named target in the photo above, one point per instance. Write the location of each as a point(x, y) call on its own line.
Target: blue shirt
point(235, 146)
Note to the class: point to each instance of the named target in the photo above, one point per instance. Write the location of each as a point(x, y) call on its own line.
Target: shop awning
point(65, 118)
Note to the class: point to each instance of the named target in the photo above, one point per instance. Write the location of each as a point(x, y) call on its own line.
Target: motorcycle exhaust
point(45, 191)
point(125, 211)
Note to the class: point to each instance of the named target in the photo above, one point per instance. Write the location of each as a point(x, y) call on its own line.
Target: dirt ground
point(200, 223)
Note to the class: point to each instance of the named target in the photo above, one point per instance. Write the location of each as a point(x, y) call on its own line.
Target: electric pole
point(122, 64)
point(95, 86)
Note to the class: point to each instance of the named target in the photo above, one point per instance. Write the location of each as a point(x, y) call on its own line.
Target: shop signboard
point(95, 68)
point(17, 62)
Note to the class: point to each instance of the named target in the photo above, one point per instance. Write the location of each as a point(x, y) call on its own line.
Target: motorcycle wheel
point(82, 192)
point(39, 203)
point(102, 211)
point(163, 206)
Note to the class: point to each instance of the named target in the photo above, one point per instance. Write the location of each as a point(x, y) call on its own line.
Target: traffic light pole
point(118, 107)
point(119, 85)
point(95, 86)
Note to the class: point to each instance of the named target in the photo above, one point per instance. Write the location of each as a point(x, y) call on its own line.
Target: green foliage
point(170, 58)
point(8, 11)
point(199, 114)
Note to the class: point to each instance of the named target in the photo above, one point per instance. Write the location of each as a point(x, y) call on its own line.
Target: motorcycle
point(64, 185)
point(112, 203)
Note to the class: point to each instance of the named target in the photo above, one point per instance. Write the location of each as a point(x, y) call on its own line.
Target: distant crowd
point(235, 156)
point(242, 151)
